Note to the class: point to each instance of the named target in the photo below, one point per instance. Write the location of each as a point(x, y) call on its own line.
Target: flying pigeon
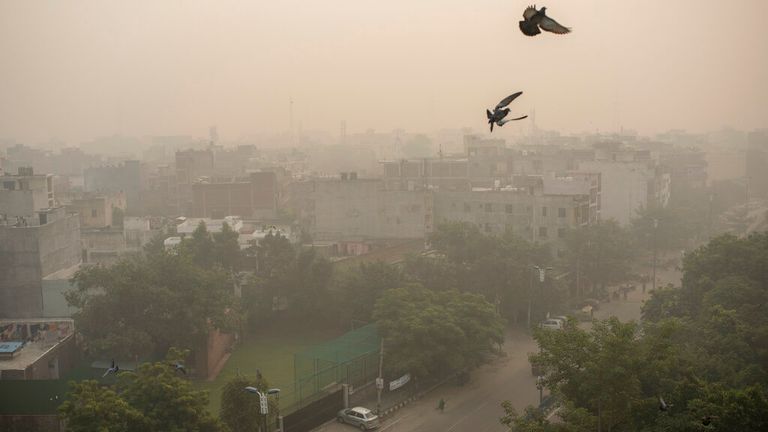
point(179, 368)
point(663, 406)
point(500, 111)
point(113, 369)
point(538, 19)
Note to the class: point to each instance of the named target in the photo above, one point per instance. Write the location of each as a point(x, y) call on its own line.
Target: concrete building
point(22, 194)
point(336, 209)
point(255, 196)
point(36, 349)
point(364, 209)
point(627, 186)
point(431, 173)
point(97, 210)
point(126, 178)
point(191, 166)
point(43, 245)
point(757, 161)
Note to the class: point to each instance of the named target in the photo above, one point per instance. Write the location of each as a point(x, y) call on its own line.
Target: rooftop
point(41, 335)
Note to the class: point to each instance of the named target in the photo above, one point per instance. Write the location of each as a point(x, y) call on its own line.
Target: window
point(9, 185)
point(561, 212)
point(561, 233)
point(94, 212)
point(488, 207)
point(508, 208)
point(543, 232)
point(543, 212)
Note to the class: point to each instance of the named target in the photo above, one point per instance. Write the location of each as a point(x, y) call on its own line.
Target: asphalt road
point(476, 407)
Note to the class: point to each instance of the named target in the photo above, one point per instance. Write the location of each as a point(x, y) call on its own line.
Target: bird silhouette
point(533, 20)
point(178, 367)
point(500, 111)
point(663, 406)
point(112, 370)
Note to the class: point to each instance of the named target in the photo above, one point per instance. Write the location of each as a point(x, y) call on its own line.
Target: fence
point(352, 358)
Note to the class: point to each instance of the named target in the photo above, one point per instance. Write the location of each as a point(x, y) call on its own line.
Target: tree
point(240, 410)
point(167, 400)
point(154, 398)
point(430, 334)
point(661, 227)
point(143, 305)
point(359, 287)
point(226, 249)
point(199, 246)
point(92, 408)
point(598, 255)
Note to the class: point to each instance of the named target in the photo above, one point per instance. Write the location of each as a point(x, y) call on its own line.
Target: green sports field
point(270, 351)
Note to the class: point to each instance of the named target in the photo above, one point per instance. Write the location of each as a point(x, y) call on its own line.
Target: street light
point(540, 386)
point(655, 229)
point(264, 405)
point(542, 275)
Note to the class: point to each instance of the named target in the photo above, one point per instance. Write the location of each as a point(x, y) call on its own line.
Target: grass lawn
point(271, 351)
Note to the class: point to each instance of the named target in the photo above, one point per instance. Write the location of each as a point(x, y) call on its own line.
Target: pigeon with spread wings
point(500, 112)
point(112, 369)
point(533, 20)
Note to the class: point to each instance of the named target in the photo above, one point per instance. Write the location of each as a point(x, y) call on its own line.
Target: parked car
point(360, 417)
point(551, 324)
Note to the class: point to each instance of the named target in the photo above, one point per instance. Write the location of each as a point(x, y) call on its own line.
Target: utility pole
point(380, 379)
point(530, 294)
point(655, 227)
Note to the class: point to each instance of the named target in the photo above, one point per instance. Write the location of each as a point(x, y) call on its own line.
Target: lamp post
point(655, 226)
point(264, 405)
point(540, 386)
point(542, 275)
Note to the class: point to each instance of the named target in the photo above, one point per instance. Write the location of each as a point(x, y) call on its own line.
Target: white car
point(551, 324)
point(361, 417)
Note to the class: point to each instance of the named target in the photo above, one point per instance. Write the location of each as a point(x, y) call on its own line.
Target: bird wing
point(184, 371)
point(106, 373)
point(529, 28)
point(553, 26)
point(509, 120)
point(508, 100)
point(113, 364)
point(529, 12)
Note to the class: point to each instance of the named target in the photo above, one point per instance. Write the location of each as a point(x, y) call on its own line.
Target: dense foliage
point(152, 398)
point(702, 347)
point(240, 410)
point(433, 333)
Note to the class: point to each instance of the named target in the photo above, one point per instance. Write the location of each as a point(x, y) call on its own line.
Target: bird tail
point(491, 126)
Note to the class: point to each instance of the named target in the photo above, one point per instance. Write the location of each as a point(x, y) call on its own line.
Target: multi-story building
point(351, 208)
point(33, 249)
point(757, 161)
point(126, 178)
point(255, 197)
point(97, 210)
point(22, 194)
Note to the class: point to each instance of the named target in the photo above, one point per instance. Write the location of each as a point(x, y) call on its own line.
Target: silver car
point(361, 417)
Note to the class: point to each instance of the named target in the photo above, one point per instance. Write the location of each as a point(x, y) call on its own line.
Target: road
point(476, 407)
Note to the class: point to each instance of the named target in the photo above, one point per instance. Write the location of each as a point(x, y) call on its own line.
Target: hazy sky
point(77, 69)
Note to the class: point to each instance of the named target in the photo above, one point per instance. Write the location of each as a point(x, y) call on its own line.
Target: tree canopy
point(432, 333)
point(143, 305)
point(154, 398)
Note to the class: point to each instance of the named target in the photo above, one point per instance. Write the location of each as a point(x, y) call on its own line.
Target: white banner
point(396, 384)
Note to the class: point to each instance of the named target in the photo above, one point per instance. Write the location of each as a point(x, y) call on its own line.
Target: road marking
point(394, 423)
point(468, 415)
